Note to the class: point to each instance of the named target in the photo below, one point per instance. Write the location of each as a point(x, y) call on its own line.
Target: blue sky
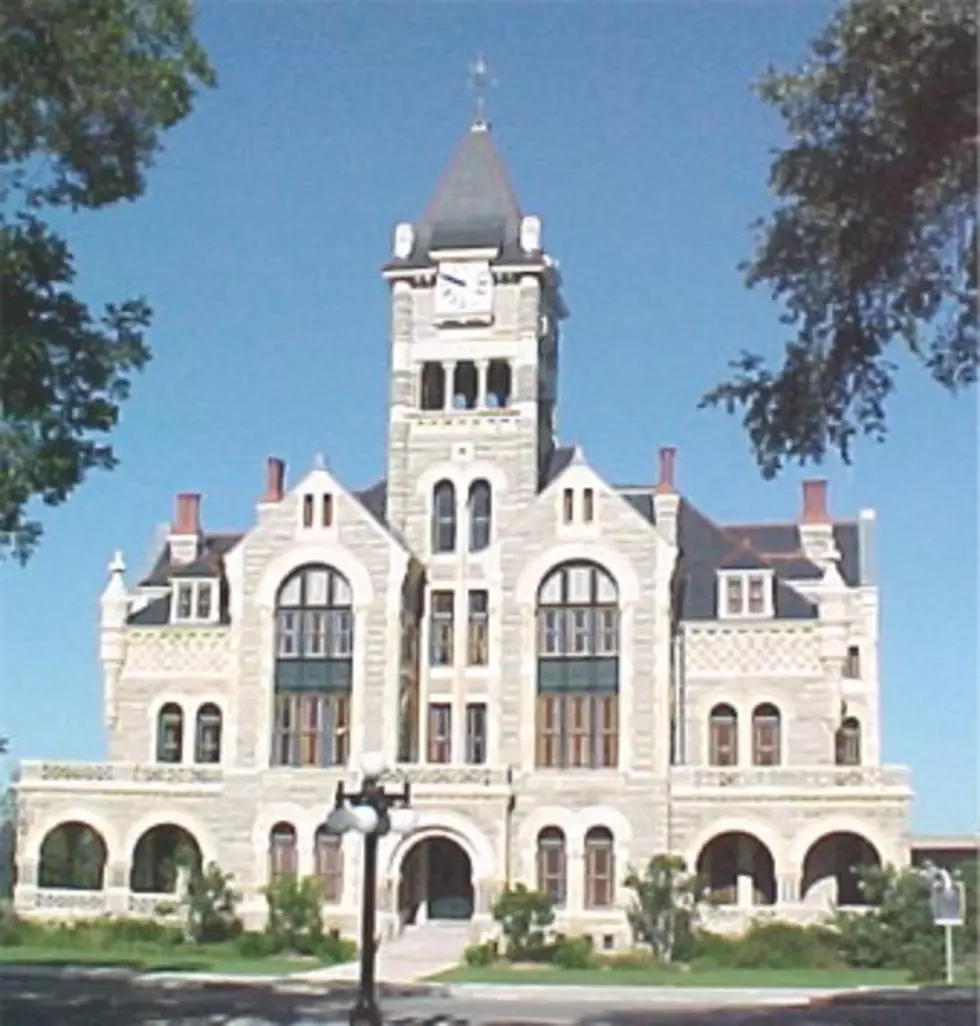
point(631, 129)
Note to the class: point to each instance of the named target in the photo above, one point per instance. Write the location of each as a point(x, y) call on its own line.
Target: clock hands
point(454, 281)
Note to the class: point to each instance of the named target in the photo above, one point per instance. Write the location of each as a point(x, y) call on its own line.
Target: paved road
point(61, 1000)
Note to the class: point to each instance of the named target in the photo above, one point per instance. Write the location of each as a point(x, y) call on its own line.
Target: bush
point(333, 948)
point(11, 927)
point(524, 917)
point(573, 953)
point(481, 954)
point(210, 906)
point(786, 946)
point(133, 931)
point(252, 944)
point(637, 960)
point(295, 917)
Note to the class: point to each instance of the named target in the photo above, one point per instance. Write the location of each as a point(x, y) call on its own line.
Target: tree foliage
point(87, 88)
point(524, 917)
point(295, 907)
point(665, 902)
point(872, 246)
point(210, 905)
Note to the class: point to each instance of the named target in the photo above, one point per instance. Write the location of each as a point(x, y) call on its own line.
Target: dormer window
point(745, 593)
point(195, 601)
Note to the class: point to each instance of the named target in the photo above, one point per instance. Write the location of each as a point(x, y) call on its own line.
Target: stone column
point(744, 883)
point(117, 888)
point(482, 370)
point(448, 370)
point(575, 881)
point(788, 888)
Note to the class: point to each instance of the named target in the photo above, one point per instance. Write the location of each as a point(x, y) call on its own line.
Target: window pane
point(291, 594)
point(476, 733)
point(550, 594)
point(185, 597)
point(316, 587)
point(580, 584)
point(477, 629)
point(287, 631)
point(606, 593)
point(341, 591)
point(204, 601)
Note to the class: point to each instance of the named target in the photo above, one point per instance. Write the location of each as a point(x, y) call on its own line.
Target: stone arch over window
point(283, 851)
point(552, 858)
point(328, 863)
point(847, 742)
point(207, 735)
point(73, 857)
point(766, 735)
point(432, 391)
point(499, 384)
point(314, 668)
point(170, 733)
point(480, 507)
point(723, 735)
point(738, 869)
point(600, 868)
point(578, 668)
point(158, 856)
point(444, 517)
point(466, 385)
point(833, 866)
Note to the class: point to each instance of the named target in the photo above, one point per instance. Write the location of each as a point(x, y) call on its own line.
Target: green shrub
point(716, 950)
point(524, 917)
point(252, 944)
point(637, 960)
point(481, 954)
point(295, 916)
point(11, 927)
point(786, 946)
point(333, 948)
point(573, 953)
point(133, 931)
point(210, 906)
point(925, 961)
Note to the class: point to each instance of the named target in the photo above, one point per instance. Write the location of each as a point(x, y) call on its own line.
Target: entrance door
point(450, 883)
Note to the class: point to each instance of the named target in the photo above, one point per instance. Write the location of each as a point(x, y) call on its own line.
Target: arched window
point(848, 743)
point(480, 508)
point(433, 387)
point(465, 385)
point(283, 857)
point(444, 517)
point(552, 865)
point(578, 668)
point(765, 735)
point(723, 736)
point(600, 872)
point(207, 739)
point(314, 667)
point(498, 384)
point(170, 733)
point(328, 861)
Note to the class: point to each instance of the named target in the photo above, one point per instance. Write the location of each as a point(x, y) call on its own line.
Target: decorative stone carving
point(459, 776)
point(752, 651)
point(70, 901)
point(119, 773)
point(786, 777)
point(196, 653)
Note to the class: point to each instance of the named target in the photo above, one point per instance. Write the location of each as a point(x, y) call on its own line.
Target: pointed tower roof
point(473, 207)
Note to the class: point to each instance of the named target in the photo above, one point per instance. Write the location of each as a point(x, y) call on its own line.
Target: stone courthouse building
point(573, 675)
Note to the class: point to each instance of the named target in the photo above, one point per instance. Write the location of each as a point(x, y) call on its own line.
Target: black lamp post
point(373, 812)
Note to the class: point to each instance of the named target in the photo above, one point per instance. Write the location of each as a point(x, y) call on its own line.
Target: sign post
point(948, 902)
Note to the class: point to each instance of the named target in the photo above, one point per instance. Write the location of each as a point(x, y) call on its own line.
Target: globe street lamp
point(373, 812)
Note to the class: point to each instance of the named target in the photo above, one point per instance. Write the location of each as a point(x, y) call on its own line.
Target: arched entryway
point(737, 869)
point(832, 869)
point(435, 882)
point(73, 857)
point(158, 855)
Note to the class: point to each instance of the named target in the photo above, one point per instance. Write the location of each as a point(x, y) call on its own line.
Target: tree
point(295, 920)
point(210, 905)
point(524, 917)
point(87, 87)
point(665, 904)
point(873, 241)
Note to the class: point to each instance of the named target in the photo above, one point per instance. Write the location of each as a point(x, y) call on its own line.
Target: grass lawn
point(661, 977)
point(151, 958)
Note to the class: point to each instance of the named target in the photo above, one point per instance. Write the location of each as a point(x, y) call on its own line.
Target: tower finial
point(480, 82)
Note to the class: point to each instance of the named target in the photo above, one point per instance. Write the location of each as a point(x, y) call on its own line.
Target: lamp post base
point(366, 1014)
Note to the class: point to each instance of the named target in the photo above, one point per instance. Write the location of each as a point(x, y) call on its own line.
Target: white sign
point(948, 904)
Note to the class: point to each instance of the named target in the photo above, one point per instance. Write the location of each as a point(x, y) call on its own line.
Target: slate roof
point(780, 544)
point(473, 206)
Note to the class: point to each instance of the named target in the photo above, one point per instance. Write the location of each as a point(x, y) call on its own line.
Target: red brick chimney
point(665, 484)
point(275, 479)
point(185, 531)
point(815, 503)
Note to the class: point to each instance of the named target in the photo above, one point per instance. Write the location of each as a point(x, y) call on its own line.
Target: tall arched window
point(432, 387)
point(283, 856)
point(578, 668)
point(723, 736)
point(481, 513)
point(314, 668)
point(848, 743)
point(766, 735)
point(444, 517)
point(600, 871)
point(552, 865)
point(328, 861)
point(170, 733)
point(207, 737)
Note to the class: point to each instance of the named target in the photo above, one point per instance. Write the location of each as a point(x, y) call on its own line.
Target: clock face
point(464, 288)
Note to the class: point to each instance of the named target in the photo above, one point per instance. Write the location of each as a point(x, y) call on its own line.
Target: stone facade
point(775, 824)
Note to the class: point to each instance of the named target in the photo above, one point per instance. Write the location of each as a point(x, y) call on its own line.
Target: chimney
point(816, 527)
point(815, 502)
point(665, 484)
point(666, 501)
point(185, 532)
point(275, 480)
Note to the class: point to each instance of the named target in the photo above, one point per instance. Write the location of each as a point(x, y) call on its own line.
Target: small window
point(766, 735)
point(852, 666)
point(442, 627)
point(735, 596)
point(185, 600)
point(723, 741)
point(170, 734)
point(568, 505)
point(444, 517)
point(327, 510)
point(757, 594)
point(307, 510)
point(440, 732)
point(477, 641)
point(588, 505)
point(848, 743)
point(207, 746)
point(204, 605)
point(476, 733)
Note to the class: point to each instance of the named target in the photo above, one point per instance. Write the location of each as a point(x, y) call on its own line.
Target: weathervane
point(481, 82)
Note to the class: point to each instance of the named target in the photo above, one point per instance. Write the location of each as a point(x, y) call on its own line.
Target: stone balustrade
point(38, 775)
point(805, 779)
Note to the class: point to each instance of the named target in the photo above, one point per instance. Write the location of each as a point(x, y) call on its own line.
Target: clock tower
point(476, 306)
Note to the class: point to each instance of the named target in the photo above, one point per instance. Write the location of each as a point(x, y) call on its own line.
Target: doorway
point(436, 882)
